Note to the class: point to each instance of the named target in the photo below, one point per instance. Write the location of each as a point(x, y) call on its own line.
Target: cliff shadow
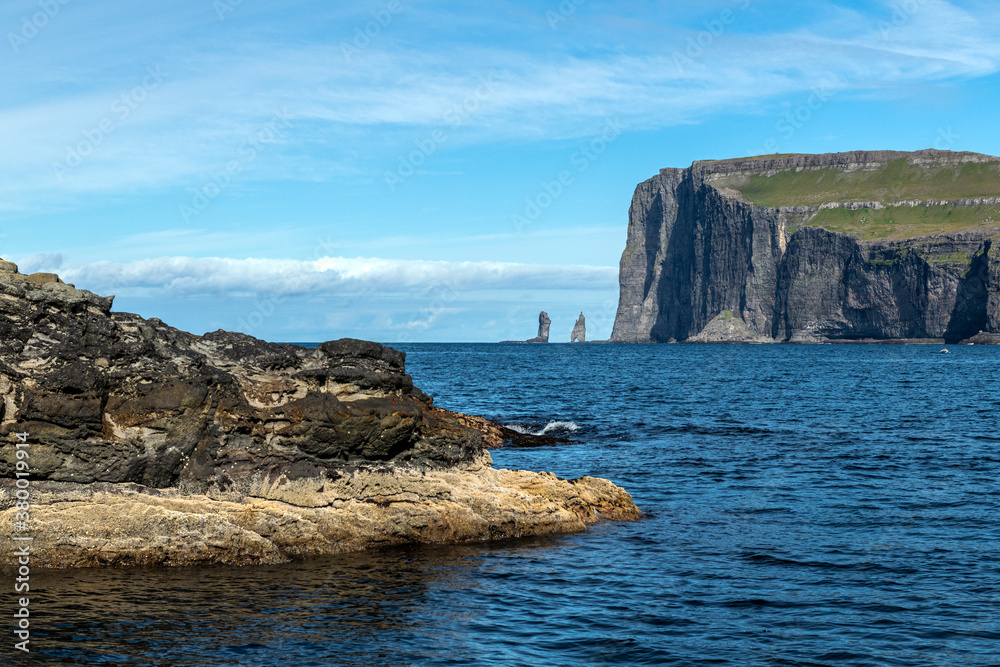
point(674, 317)
point(969, 315)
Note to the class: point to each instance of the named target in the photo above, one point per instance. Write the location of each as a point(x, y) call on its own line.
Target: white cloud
point(169, 277)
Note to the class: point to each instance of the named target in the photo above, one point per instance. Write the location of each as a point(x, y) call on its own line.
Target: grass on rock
point(902, 222)
point(896, 181)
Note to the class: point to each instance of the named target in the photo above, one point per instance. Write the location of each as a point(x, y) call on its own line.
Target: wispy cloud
point(341, 111)
point(328, 276)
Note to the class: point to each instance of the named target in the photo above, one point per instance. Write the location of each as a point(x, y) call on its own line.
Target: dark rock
point(514, 438)
point(497, 435)
point(703, 264)
point(113, 397)
point(543, 330)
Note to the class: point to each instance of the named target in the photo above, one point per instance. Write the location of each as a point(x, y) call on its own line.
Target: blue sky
point(408, 170)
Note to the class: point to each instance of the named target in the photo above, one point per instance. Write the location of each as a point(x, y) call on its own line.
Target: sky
point(430, 170)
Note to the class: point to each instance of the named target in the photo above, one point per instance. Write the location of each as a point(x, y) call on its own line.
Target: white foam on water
point(559, 426)
point(548, 428)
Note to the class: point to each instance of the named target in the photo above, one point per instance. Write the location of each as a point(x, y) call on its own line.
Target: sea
point(804, 505)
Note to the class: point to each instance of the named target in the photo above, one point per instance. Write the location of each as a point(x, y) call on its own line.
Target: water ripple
point(826, 505)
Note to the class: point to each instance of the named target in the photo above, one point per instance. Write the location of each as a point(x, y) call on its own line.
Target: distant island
point(844, 247)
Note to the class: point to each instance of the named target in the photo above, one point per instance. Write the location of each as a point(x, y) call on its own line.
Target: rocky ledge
point(151, 446)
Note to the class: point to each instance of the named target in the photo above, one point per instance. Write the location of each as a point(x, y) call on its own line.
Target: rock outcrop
point(497, 435)
point(579, 333)
point(543, 331)
point(149, 445)
point(808, 248)
point(543, 328)
point(727, 328)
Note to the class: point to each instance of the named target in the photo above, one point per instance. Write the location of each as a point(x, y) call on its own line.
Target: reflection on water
point(385, 607)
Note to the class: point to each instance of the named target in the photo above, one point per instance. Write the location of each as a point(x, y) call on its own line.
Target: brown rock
point(268, 521)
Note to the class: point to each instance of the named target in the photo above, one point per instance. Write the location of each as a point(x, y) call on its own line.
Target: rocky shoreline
point(147, 445)
point(261, 520)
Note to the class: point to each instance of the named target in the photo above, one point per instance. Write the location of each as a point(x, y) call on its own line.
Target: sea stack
point(880, 246)
point(579, 334)
point(146, 445)
point(543, 328)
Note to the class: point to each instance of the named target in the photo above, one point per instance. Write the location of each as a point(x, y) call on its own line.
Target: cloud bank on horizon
point(202, 158)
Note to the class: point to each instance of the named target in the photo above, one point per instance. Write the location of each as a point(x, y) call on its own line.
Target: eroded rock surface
point(144, 439)
point(263, 520)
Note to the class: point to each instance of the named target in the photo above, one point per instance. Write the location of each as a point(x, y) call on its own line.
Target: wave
point(551, 427)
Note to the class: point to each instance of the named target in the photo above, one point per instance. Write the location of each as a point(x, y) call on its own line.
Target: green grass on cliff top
point(896, 181)
point(902, 222)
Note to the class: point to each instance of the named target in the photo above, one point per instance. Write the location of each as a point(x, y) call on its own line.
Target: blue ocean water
point(806, 505)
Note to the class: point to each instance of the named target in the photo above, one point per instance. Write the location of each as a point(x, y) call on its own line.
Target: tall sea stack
point(543, 328)
point(808, 248)
point(579, 334)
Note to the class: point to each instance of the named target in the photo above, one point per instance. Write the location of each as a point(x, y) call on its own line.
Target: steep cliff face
point(848, 246)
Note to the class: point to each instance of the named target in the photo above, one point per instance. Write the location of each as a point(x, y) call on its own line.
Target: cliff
point(807, 248)
point(149, 445)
